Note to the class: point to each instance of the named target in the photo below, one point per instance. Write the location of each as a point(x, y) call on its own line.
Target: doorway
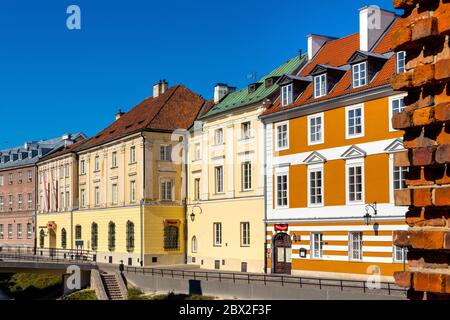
point(52, 243)
point(282, 254)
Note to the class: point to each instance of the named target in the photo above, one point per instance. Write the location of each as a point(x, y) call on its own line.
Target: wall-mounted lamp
point(192, 215)
point(368, 217)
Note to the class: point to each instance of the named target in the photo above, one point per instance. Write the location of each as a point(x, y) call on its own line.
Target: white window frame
point(347, 127)
point(315, 168)
point(218, 234)
point(197, 152)
point(2, 203)
point(219, 136)
point(96, 196)
point(401, 59)
point(166, 194)
point(404, 252)
point(194, 244)
point(115, 194)
point(354, 163)
point(20, 201)
point(277, 126)
point(83, 198)
point(287, 95)
point(97, 164)
point(1, 181)
point(391, 111)
point(114, 159)
point(280, 174)
point(313, 245)
point(320, 81)
point(322, 129)
point(351, 248)
point(360, 81)
point(197, 192)
point(245, 234)
point(246, 180)
point(165, 152)
point(133, 191)
point(29, 201)
point(132, 154)
point(82, 167)
point(30, 175)
point(246, 130)
point(218, 180)
point(29, 230)
point(19, 231)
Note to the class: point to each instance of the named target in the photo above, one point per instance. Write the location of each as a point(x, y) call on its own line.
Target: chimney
point(221, 90)
point(159, 88)
point(373, 22)
point(67, 138)
point(119, 114)
point(315, 43)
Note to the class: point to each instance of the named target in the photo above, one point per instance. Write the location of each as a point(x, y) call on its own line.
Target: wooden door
point(282, 254)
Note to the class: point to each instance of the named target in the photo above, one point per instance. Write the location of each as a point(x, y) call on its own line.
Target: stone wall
point(424, 35)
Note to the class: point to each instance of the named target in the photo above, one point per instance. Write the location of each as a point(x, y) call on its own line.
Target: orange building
point(330, 208)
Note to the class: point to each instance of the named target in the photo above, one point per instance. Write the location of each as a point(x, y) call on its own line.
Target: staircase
point(111, 286)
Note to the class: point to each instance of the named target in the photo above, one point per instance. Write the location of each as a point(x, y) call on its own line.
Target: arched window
point(94, 236)
point(77, 232)
point(41, 238)
point(194, 244)
point(171, 238)
point(63, 238)
point(112, 236)
point(130, 236)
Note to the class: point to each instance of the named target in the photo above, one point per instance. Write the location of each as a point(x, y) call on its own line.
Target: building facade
point(329, 148)
point(226, 177)
point(131, 184)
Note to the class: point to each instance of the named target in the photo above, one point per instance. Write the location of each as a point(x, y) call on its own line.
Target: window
point(61, 199)
point(286, 95)
point(63, 238)
point(10, 178)
point(165, 153)
point(219, 179)
point(130, 236)
point(10, 202)
point(30, 201)
point(61, 172)
point(194, 244)
point(355, 183)
point(359, 75)
point(282, 136)
point(2, 204)
point(82, 198)
point(400, 254)
point(171, 238)
point(30, 175)
point(320, 86)
point(133, 191)
point(401, 61)
point(114, 194)
point(1, 231)
point(29, 231)
point(20, 177)
point(217, 234)
point(245, 234)
point(355, 122)
point(166, 190)
point(315, 129)
point(94, 236)
point(315, 187)
point(114, 160)
point(218, 136)
point(112, 236)
point(1, 181)
point(246, 176)
point(317, 245)
point(97, 164)
point(246, 130)
point(282, 190)
point(82, 167)
point(19, 231)
point(19, 201)
point(41, 239)
point(197, 152)
point(10, 231)
point(399, 178)
point(67, 171)
point(355, 243)
point(77, 232)
point(97, 196)
point(133, 154)
point(197, 189)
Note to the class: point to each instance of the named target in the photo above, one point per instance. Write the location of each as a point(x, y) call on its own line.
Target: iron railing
point(267, 279)
point(47, 255)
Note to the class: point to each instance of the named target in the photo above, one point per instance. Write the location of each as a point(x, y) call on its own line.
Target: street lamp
point(192, 215)
point(368, 217)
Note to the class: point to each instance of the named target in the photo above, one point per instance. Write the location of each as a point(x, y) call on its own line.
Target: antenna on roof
point(252, 76)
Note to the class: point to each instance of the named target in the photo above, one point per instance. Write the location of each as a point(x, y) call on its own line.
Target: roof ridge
point(175, 88)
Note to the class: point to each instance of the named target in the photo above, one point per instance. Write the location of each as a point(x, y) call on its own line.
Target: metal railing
point(47, 255)
point(267, 279)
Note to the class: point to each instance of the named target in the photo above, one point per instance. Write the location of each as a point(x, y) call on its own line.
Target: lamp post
point(368, 217)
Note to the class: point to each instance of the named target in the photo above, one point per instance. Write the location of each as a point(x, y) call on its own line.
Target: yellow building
point(226, 177)
point(131, 185)
point(330, 175)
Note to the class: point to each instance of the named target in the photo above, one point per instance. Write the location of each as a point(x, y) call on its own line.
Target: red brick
point(403, 198)
point(427, 239)
point(401, 36)
point(423, 116)
point(419, 176)
point(447, 241)
point(401, 159)
point(402, 120)
point(447, 283)
point(443, 17)
point(403, 279)
point(422, 197)
point(424, 28)
point(423, 75)
point(423, 156)
point(442, 69)
point(443, 154)
point(444, 177)
point(401, 81)
point(444, 136)
point(401, 238)
point(429, 282)
point(404, 4)
point(442, 112)
point(442, 197)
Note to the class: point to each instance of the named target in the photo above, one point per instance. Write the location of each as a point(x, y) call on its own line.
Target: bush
point(31, 286)
point(81, 295)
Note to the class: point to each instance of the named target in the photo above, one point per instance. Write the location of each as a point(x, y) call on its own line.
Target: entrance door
point(282, 254)
point(52, 243)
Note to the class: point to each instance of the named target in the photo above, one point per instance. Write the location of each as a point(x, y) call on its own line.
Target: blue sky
point(55, 81)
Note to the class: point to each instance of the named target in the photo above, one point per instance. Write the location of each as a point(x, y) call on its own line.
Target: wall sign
point(281, 227)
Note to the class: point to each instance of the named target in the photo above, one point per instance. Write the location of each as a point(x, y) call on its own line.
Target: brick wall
point(425, 38)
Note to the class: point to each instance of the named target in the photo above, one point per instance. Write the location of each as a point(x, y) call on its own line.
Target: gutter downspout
point(142, 200)
point(35, 227)
point(265, 199)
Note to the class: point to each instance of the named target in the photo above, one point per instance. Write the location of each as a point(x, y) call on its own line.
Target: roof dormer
point(365, 66)
point(253, 87)
point(291, 87)
point(325, 78)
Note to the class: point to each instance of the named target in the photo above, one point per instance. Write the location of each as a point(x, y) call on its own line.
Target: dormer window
point(359, 75)
point(401, 61)
point(320, 85)
point(286, 94)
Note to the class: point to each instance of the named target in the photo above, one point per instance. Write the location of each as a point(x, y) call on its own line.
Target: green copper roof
point(243, 98)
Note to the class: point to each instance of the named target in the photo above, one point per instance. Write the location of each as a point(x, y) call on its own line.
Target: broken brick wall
point(424, 35)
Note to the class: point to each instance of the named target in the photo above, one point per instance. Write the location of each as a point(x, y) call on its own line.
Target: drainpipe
point(35, 227)
point(265, 200)
point(142, 200)
point(186, 157)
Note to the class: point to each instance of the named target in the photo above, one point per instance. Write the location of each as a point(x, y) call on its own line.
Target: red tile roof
point(336, 53)
point(177, 108)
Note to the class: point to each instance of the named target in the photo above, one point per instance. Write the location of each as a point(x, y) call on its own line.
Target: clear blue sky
point(55, 81)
